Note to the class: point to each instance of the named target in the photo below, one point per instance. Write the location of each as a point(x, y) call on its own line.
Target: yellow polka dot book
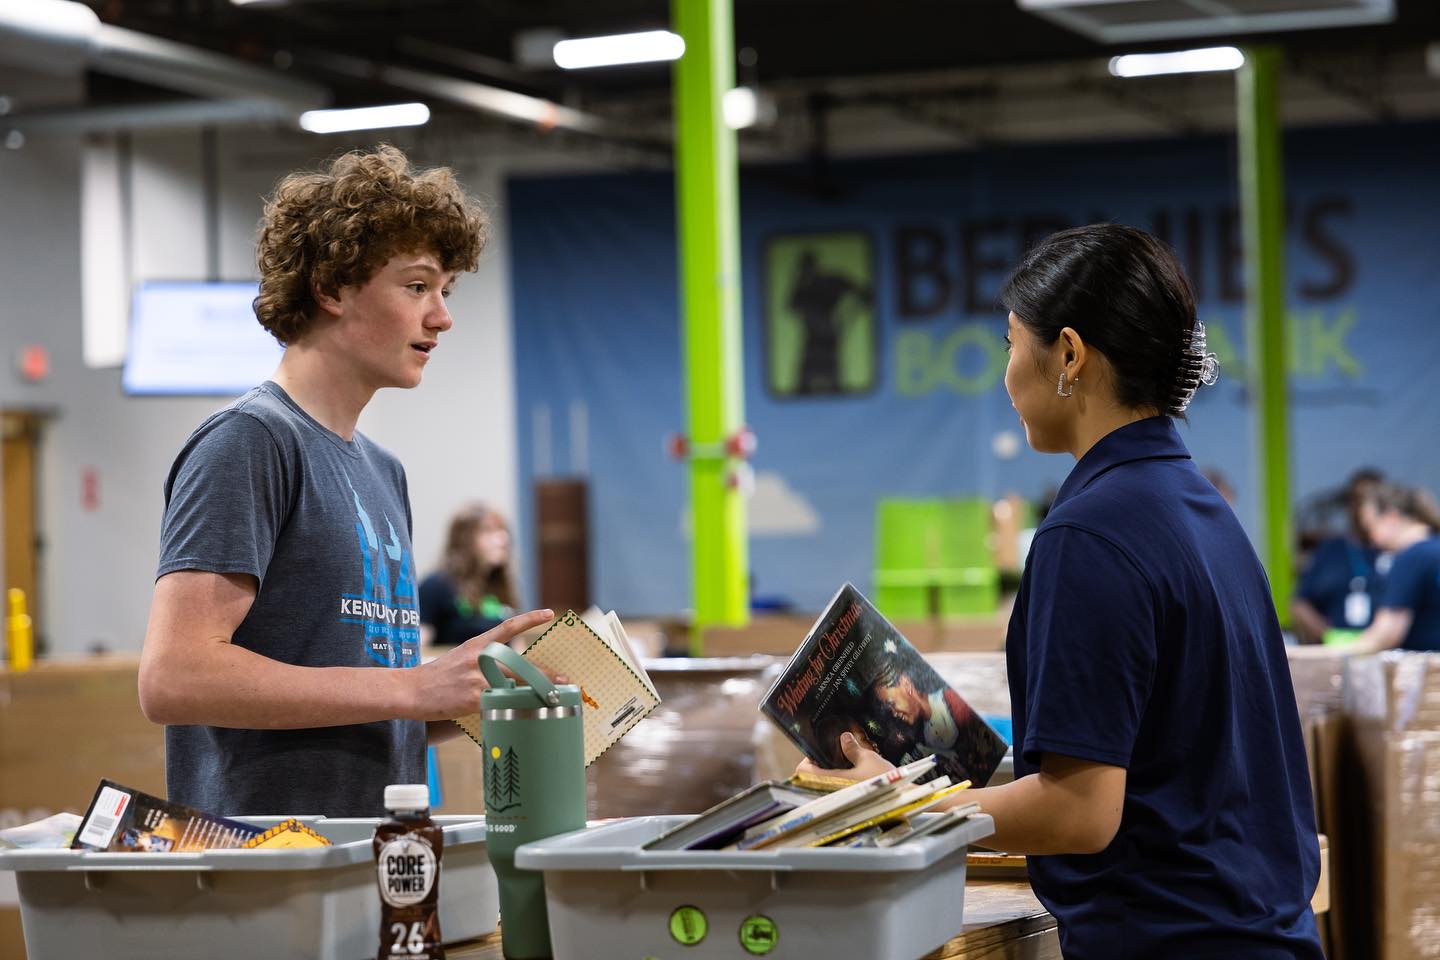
point(593, 652)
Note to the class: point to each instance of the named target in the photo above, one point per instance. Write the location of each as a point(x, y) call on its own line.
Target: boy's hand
point(449, 686)
point(864, 763)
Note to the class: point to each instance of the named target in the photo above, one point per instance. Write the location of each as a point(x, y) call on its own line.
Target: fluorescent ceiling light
point(365, 118)
point(1204, 60)
point(621, 48)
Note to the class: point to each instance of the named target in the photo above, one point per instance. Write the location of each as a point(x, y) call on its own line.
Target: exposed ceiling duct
point(1134, 21)
point(49, 36)
point(507, 104)
point(164, 63)
point(171, 115)
point(65, 37)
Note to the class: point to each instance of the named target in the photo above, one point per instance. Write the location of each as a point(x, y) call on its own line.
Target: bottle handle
point(496, 654)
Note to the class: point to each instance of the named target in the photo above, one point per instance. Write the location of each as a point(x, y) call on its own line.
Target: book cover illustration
point(855, 672)
point(288, 834)
point(615, 691)
point(122, 819)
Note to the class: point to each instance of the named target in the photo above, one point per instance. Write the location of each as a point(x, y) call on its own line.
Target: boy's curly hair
point(336, 227)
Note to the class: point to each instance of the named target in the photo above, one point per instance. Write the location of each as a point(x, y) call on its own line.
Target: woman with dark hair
point(1161, 788)
point(473, 590)
point(1403, 522)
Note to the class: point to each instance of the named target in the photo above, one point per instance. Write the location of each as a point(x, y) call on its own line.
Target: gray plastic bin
point(239, 904)
point(609, 898)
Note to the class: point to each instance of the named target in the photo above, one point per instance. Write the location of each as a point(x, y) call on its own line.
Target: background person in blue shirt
point(1340, 588)
point(1403, 521)
point(1161, 787)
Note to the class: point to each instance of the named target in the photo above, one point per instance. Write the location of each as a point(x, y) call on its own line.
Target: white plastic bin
point(609, 898)
point(303, 904)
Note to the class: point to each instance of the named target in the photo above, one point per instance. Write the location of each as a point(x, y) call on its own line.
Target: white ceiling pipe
point(545, 114)
point(244, 92)
point(50, 36)
point(179, 115)
point(65, 37)
point(177, 66)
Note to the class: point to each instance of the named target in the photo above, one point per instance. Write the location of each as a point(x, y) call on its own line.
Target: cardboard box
point(769, 634)
point(66, 724)
point(1397, 691)
point(1318, 674)
point(1391, 800)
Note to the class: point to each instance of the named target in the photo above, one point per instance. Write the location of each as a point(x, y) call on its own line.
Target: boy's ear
point(326, 300)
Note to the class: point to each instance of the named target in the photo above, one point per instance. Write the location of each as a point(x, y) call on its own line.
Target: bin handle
point(141, 868)
point(94, 877)
point(518, 665)
point(748, 867)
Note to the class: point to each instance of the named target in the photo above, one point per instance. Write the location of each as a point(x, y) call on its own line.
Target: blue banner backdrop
point(873, 350)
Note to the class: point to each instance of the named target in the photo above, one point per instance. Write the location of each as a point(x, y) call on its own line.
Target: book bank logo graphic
point(820, 329)
point(502, 780)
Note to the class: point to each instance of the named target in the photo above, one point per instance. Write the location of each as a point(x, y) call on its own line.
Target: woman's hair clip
point(1209, 363)
point(1209, 370)
point(1197, 367)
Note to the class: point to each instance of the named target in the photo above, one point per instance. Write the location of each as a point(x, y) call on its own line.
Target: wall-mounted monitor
point(192, 338)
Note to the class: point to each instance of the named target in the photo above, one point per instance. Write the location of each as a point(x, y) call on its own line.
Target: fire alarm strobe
point(33, 363)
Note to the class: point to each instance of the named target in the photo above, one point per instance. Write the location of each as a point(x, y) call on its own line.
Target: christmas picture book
point(615, 691)
point(854, 672)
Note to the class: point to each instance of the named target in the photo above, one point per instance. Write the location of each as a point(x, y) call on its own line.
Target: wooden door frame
point(20, 433)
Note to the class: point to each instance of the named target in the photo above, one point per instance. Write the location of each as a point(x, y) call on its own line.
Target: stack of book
point(874, 812)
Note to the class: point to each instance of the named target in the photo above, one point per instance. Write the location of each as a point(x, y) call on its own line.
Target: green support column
point(1262, 202)
point(707, 204)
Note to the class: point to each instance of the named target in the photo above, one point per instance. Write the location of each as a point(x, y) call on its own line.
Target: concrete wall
point(455, 433)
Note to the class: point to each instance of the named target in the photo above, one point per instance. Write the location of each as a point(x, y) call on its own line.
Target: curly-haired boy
point(286, 574)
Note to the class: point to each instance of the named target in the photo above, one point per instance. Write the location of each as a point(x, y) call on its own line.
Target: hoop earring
point(1060, 386)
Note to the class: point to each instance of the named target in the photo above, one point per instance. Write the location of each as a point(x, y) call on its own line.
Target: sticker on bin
point(688, 925)
point(758, 935)
point(105, 817)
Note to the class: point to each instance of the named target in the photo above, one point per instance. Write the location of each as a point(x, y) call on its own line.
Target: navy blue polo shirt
point(1144, 637)
point(1413, 584)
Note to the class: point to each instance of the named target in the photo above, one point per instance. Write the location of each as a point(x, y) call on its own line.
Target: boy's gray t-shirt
point(324, 526)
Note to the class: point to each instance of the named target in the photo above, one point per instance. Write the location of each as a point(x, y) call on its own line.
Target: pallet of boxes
point(1392, 703)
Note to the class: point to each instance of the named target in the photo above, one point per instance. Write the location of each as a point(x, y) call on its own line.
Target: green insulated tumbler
point(534, 786)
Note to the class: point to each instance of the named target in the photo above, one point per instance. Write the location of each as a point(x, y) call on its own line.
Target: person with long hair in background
point(474, 589)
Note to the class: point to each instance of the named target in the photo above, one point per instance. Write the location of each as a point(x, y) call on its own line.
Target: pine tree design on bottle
point(408, 847)
point(502, 780)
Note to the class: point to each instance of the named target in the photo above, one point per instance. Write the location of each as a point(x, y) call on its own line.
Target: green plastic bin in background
point(936, 546)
